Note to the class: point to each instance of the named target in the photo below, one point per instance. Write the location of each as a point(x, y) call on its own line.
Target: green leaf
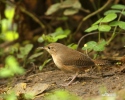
point(70, 11)
point(97, 22)
point(17, 70)
point(70, 4)
point(118, 6)
point(73, 46)
point(35, 55)
point(67, 32)
point(61, 95)
point(121, 24)
point(24, 51)
point(11, 68)
point(92, 45)
point(55, 36)
point(29, 96)
point(100, 46)
point(77, 5)
point(89, 45)
point(114, 23)
point(123, 13)
point(13, 65)
point(5, 72)
point(104, 28)
point(20, 56)
point(11, 35)
point(58, 31)
point(109, 17)
point(102, 42)
point(92, 28)
point(53, 8)
point(45, 62)
point(61, 36)
point(10, 96)
point(51, 39)
point(28, 48)
point(40, 39)
point(112, 11)
point(9, 12)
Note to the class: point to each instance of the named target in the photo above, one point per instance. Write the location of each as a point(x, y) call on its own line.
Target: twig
point(92, 14)
point(33, 17)
point(114, 32)
point(4, 45)
point(26, 12)
point(84, 37)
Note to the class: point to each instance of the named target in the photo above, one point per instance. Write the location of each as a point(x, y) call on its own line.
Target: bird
point(69, 60)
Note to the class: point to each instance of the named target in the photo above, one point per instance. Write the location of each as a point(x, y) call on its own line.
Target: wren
point(69, 60)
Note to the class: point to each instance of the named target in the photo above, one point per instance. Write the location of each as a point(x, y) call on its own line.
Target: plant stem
point(114, 32)
point(92, 14)
point(99, 36)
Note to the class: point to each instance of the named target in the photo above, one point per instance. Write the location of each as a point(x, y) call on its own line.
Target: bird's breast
point(57, 61)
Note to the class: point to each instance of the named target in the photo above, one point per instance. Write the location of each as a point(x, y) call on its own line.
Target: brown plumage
point(68, 59)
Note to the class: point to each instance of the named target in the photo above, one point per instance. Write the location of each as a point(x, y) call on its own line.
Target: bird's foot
point(65, 84)
point(69, 78)
point(68, 84)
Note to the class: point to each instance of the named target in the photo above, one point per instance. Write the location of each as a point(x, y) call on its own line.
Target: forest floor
point(86, 86)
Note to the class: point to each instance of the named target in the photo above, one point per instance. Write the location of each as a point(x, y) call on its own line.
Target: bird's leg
point(70, 82)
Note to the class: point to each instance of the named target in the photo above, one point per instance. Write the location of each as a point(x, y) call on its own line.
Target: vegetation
point(27, 25)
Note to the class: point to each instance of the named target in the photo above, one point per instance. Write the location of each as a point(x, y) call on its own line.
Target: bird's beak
point(39, 48)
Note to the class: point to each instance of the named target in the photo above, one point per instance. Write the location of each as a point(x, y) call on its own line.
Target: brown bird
point(69, 60)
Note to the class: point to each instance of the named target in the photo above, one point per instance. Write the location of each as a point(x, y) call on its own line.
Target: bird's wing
point(77, 59)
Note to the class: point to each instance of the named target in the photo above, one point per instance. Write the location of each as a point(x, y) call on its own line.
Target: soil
point(109, 79)
point(86, 85)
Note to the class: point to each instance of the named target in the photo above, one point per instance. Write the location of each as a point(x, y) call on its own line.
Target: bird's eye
point(48, 47)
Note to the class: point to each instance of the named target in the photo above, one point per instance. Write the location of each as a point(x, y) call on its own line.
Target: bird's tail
point(105, 62)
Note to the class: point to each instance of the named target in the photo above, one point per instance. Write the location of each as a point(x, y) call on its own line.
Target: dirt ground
point(86, 85)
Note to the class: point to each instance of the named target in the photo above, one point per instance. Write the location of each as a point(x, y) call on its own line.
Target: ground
point(86, 85)
point(109, 81)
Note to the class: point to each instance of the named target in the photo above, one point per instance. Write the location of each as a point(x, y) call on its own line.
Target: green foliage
point(106, 24)
point(29, 96)
point(73, 46)
point(10, 96)
point(11, 68)
point(45, 62)
point(61, 95)
point(118, 6)
point(70, 7)
point(99, 24)
point(108, 19)
point(121, 24)
point(92, 45)
point(0, 28)
point(54, 37)
point(13, 96)
point(7, 33)
point(1, 51)
point(24, 51)
point(53, 8)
